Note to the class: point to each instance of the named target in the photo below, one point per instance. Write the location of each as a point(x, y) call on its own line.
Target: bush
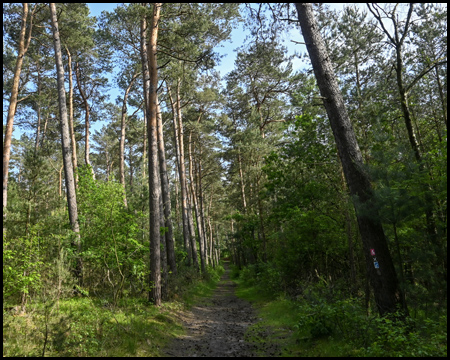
point(395, 338)
point(113, 249)
point(345, 320)
point(234, 272)
point(266, 275)
point(22, 265)
point(248, 274)
point(342, 318)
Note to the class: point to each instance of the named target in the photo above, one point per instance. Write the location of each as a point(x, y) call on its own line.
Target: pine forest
point(224, 179)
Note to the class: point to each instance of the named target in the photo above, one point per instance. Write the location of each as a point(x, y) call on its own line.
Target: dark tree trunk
point(66, 146)
point(380, 267)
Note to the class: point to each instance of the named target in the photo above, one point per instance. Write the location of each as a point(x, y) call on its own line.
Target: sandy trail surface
point(216, 326)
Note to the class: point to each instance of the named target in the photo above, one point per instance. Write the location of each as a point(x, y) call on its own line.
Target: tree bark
point(196, 207)
point(38, 110)
point(22, 49)
point(241, 178)
point(178, 137)
point(211, 241)
point(201, 203)
point(188, 225)
point(170, 247)
point(72, 132)
point(154, 184)
point(146, 79)
point(66, 147)
point(379, 263)
point(192, 239)
point(163, 246)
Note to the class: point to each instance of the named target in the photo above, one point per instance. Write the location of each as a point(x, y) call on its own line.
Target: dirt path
point(216, 327)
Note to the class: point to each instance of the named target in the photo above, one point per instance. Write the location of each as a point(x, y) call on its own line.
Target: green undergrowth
point(90, 326)
point(313, 325)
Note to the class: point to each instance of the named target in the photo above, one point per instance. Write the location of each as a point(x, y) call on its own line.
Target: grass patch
point(88, 326)
point(277, 320)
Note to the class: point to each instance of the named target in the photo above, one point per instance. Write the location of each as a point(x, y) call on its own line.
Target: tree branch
point(425, 71)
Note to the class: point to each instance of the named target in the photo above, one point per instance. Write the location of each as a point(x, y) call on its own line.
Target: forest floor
point(217, 326)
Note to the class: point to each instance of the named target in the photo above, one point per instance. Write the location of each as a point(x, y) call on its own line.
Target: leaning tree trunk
point(66, 146)
point(154, 184)
point(379, 263)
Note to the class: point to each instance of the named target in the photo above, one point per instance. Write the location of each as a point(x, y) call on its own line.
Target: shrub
point(342, 318)
point(395, 338)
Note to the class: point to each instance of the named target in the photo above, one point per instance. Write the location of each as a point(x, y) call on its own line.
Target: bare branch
point(425, 71)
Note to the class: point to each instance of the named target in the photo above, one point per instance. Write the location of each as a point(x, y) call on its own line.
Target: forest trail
point(216, 326)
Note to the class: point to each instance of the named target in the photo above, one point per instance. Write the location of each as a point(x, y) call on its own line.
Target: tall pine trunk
point(188, 224)
point(196, 206)
point(66, 146)
point(380, 267)
point(201, 204)
point(181, 173)
point(170, 247)
point(154, 184)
